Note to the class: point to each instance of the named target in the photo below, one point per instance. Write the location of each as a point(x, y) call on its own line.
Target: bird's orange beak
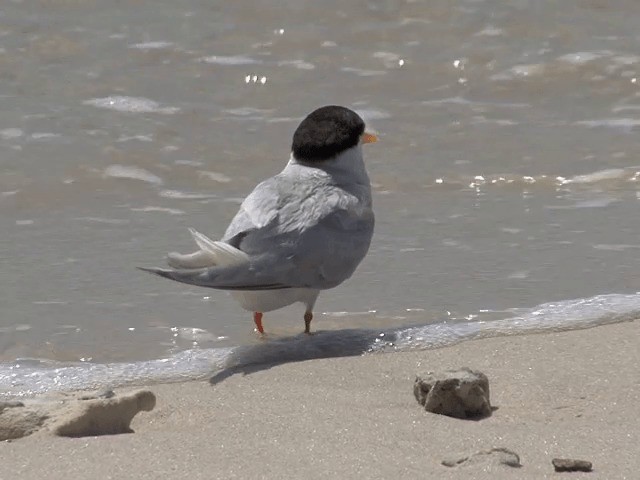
point(369, 138)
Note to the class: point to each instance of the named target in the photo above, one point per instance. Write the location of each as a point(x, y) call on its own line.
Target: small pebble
point(571, 465)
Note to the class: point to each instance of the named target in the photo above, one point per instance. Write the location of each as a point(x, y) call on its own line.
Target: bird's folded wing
point(315, 247)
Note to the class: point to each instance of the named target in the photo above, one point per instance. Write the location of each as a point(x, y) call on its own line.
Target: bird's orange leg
point(257, 318)
point(308, 316)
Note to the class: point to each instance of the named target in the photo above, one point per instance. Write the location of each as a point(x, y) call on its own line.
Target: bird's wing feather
point(313, 233)
point(257, 211)
point(285, 235)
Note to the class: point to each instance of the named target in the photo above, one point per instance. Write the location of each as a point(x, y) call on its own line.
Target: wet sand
point(571, 394)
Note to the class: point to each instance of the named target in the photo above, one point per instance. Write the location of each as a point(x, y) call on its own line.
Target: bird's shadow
point(322, 344)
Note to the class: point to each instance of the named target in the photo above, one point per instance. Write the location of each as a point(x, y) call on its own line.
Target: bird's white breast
point(268, 300)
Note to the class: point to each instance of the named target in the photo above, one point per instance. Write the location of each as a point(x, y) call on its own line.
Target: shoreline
point(569, 394)
point(28, 380)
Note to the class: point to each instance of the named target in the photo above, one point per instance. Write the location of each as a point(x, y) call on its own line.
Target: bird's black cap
point(325, 133)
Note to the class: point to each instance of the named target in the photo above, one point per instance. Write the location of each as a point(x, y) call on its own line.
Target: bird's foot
point(257, 318)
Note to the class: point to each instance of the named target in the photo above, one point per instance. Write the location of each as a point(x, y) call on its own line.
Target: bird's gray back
point(310, 231)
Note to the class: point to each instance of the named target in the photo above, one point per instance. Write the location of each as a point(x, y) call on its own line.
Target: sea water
point(505, 180)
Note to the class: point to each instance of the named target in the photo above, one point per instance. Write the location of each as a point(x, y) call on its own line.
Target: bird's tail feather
point(211, 254)
point(199, 259)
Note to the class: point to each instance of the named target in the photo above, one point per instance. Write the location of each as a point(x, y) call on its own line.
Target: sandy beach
point(571, 394)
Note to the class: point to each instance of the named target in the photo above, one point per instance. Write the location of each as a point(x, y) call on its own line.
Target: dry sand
point(573, 394)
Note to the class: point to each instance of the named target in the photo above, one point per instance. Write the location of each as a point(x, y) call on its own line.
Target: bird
point(297, 233)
